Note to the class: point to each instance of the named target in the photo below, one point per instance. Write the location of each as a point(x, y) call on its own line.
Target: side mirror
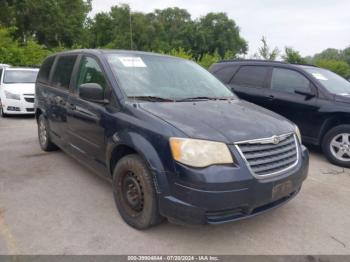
point(92, 92)
point(307, 94)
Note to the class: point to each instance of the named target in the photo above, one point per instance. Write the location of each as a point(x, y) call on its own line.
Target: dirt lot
point(50, 204)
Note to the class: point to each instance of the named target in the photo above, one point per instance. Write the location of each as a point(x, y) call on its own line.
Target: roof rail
point(251, 60)
point(263, 61)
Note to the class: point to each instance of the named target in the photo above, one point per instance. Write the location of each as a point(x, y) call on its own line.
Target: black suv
point(317, 100)
point(174, 141)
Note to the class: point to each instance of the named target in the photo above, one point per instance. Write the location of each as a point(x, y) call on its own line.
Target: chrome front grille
point(270, 156)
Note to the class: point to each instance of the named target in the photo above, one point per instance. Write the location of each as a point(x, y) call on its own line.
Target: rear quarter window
point(63, 71)
point(45, 70)
point(251, 76)
point(224, 74)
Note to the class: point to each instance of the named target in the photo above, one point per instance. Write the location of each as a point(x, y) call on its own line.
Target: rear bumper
point(244, 198)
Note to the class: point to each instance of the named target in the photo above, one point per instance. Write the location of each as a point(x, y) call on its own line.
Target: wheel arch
point(336, 120)
point(132, 143)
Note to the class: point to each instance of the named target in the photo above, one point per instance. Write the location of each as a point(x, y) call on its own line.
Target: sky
point(308, 26)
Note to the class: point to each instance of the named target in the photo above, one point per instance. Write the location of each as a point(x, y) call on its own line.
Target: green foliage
point(339, 67)
point(180, 53)
point(50, 22)
point(265, 51)
point(207, 59)
point(11, 52)
point(32, 29)
point(329, 54)
point(292, 56)
point(215, 32)
point(166, 30)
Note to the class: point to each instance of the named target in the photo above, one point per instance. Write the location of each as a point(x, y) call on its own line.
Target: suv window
point(63, 71)
point(91, 72)
point(225, 74)
point(45, 70)
point(251, 76)
point(286, 80)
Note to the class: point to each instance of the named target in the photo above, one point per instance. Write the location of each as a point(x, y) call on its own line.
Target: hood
point(344, 98)
point(25, 88)
point(226, 121)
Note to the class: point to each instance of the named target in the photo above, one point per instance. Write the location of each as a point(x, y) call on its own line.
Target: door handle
point(72, 107)
point(271, 97)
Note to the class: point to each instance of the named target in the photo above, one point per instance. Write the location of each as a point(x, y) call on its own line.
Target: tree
point(265, 52)
point(11, 52)
point(171, 25)
point(292, 56)
point(215, 32)
point(329, 54)
point(339, 67)
point(346, 55)
point(50, 22)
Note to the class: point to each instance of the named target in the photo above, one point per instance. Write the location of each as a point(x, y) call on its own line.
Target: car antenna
point(130, 24)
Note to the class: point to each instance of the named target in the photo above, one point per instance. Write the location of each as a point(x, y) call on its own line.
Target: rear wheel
point(44, 136)
point(336, 145)
point(135, 194)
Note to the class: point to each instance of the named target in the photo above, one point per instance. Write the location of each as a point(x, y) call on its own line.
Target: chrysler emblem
point(276, 140)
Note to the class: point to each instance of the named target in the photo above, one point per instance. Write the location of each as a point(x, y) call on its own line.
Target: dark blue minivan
point(174, 141)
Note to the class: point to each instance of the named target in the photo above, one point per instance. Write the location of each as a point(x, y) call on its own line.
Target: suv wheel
point(43, 133)
point(336, 145)
point(134, 193)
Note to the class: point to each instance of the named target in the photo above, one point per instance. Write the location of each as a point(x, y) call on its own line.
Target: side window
point(225, 74)
point(45, 70)
point(286, 80)
point(63, 71)
point(91, 72)
point(0, 74)
point(251, 76)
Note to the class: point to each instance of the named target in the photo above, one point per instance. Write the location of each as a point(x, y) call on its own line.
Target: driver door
point(85, 119)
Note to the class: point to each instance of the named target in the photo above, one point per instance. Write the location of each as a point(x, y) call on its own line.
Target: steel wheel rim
point(340, 147)
point(42, 132)
point(132, 192)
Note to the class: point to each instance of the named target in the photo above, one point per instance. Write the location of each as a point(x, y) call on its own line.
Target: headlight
point(199, 153)
point(9, 95)
point(297, 132)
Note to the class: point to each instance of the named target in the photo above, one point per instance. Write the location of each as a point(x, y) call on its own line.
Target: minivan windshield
point(20, 76)
point(166, 78)
point(332, 82)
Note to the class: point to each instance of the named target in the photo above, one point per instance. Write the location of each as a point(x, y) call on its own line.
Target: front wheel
point(336, 145)
point(2, 114)
point(135, 194)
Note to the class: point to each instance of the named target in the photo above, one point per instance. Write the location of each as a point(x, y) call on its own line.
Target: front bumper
point(227, 193)
point(16, 107)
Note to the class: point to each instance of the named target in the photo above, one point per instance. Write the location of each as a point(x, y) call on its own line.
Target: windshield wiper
point(203, 98)
point(151, 98)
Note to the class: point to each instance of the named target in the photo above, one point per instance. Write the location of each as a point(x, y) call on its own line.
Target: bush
point(339, 67)
point(30, 54)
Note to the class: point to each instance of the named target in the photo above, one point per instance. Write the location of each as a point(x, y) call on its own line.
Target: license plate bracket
point(282, 190)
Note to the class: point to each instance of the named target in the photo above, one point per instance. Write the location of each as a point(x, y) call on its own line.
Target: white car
point(17, 89)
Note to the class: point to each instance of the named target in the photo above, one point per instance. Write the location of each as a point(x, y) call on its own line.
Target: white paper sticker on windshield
point(319, 76)
point(132, 62)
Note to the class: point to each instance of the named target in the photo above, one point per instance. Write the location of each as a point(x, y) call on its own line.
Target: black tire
point(330, 145)
point(44, 135)
point(134, 193)
point(2, 114)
